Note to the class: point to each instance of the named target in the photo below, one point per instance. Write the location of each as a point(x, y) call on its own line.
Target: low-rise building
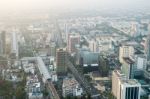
point(95, 76)
point(33, 88)
point(29, 68)
point(71, 87)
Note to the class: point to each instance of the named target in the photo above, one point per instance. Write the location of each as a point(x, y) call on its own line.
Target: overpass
point(46, 77)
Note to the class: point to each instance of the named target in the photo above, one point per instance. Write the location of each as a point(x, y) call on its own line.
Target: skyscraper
point(3, 43)
point(66, 32)
point(93, 45)
point(123, 88)
point(116, 77)
point(53, 49)
point(125, 51)
point(61, 57)
point(130, 89)
point(73, 40)
point(127, 67)
point(148, 47)
point(126, 54)
point(14, 45)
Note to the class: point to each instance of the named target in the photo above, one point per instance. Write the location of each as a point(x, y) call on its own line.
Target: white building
point(29, 68)
point(33, 88)
point(14, 45)
point(125, 51)
point(93, 46)
point(130, 89)
point(123, 88)
point(71, 87)
point(35, 92)
point(54, 77)
point(105, 46)
point(141, 62)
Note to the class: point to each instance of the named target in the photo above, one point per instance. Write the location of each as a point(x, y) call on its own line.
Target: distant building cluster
point(77, 57)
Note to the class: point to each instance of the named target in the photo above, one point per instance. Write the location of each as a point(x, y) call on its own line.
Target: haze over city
point(9, 5)
point(74, 49)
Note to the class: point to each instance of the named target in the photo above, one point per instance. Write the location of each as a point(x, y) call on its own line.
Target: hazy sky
point(7, 5)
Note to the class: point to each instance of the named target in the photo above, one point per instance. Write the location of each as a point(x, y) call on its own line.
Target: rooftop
point(125, 81)
point(69, 83)
point(128, 60)
point(130, 82)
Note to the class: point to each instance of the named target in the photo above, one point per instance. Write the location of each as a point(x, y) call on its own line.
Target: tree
point(83, 97)
point(68, 97)
point(89, 96)
point(6, 89)
point(20, 93)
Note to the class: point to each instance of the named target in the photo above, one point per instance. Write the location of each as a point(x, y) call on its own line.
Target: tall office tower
point(93, 46)
point(116, 76)
point(130, 89)
point(128, 67)
point(66, 32)
point(61, 57)
point(123, 88)
point(140, 62)
point(125, 51)
point(133, 31)
point(3, 43)
point(73, 40)
point(148, 47)
point(53, 49)
point(14, 45)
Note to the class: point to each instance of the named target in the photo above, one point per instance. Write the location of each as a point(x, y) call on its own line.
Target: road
point(86, 85)
point(79, 77)
point(52, 90)
point(59, 35)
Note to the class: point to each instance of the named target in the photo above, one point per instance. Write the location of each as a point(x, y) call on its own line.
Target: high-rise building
point(3, 43)
point(130, 89)
point(125, 51)
point(134, 29)
point(127, 67)
point(14, 45)
point(116, 76)
point(66, 33)
point(88, 60)
point(53, 49)
point(73, 40)
point(123, 88)
point(141, 62)
point(61, 57)
point(148, 47)
point(93, 46)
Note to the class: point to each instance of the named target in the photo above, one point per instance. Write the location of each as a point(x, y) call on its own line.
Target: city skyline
point(74, 49)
